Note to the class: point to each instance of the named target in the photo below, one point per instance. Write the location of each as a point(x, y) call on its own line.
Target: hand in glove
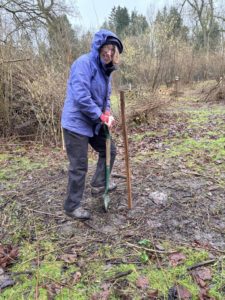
point(107, 119)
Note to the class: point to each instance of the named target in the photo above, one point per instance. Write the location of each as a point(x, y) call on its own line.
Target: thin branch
point(182, 6)
point(14, 60)
point(149, 250)
point(119, 275)
point(201, 264)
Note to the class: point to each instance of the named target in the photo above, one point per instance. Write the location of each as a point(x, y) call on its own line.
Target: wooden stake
point(63, 141)
point(122, 105)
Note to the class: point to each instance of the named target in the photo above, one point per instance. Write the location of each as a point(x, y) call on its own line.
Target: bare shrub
point(152, 59)
point(215, 92)
point(142, 104)
point(46, 90)
point(32, 94)
point(37, 45)
point(12, 92)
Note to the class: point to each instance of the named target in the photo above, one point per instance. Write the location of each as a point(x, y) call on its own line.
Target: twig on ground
point(119, 275)
point(118, 176)
point(54, 227)
point(58, 282)
point(44, 213)
point(49, 252)
point(90, 225)
point(5, 204)
point(20, 273)
point(199, 248)
point(29, 191)
point(201, 264)
point(149, 250)
point(201, 175)
point(43, 185)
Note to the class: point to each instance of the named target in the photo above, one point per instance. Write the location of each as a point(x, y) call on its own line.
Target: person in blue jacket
point(86, 110)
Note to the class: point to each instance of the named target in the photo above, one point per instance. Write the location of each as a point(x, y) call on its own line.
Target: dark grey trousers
point(77, 152)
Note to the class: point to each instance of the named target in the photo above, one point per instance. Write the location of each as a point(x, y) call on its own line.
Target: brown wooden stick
point(63, 141)
point(122, 104)
point(119, 275)
point(13, 60)
point(118, 175)
point(201, 264)
point(149, 250)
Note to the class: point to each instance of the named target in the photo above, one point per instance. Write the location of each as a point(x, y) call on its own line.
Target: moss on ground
point(48, 270)
point(40, 266)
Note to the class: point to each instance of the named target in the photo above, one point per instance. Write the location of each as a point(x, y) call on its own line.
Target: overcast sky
point(94, 12)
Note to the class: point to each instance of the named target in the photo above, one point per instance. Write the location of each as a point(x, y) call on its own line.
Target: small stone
point(109, 229)
point(159, 247)
point(154, 224)
point(118, 220)
point(67, 230)
point(5, 280)
point(159, 198)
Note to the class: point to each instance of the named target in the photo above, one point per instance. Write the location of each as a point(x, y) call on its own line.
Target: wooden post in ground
point(176, 86)
point(128, 172)
point(63, 141)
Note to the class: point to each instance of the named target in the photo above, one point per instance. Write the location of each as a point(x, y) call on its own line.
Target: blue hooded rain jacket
point(88, 90)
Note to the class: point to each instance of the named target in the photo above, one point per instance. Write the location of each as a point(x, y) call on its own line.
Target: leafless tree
point(204, 12)
point(27, 15)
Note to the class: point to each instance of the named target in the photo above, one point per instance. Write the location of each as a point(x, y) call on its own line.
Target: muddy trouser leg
point(98, 143)
point(77, 152)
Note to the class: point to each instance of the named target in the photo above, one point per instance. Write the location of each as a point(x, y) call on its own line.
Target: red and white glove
point(107, 119)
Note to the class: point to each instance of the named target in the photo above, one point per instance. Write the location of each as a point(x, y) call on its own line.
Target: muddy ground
point(171, 200)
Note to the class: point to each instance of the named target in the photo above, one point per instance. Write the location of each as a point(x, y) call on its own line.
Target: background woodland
point(38, 43)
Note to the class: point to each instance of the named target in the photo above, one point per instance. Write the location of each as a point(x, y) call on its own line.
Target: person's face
point(106, 53)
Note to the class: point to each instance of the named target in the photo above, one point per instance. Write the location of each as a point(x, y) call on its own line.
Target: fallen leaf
point(104, 295)
point(81, 263)
point(183, 293)
point(176, 258)
point(75, 278)
point(142, 282)
point(8, 254)
point(201, 282)
point(52, 289)
point(201, 276)
point(204, 273)
point(204, 294)
point(153, 295)
point(69, 258)
point(179, 292)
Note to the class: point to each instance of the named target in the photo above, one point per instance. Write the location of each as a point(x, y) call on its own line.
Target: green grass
point(14, 165)
point(202, 117)
point(204, 148)
point(214, 149)
point(96, 272)
point(115, 105)
point(199, 145)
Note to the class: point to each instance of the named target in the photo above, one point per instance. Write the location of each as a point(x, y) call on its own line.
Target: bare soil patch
point(170, 201)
